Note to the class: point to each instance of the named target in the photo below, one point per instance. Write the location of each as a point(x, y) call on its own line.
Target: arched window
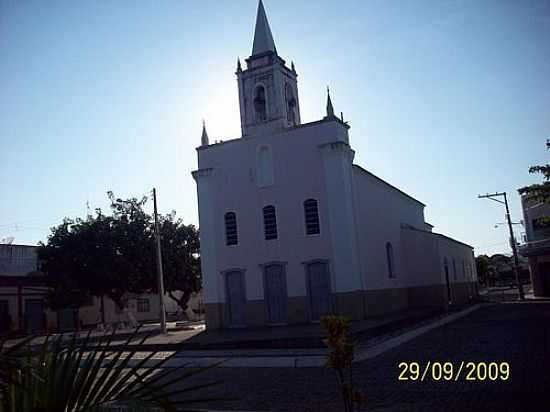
point(231, 235)
point(265, 166)
point(260, 104)
point(290, 105)
point(270, 223)
point(311, 215)
point(389, 258)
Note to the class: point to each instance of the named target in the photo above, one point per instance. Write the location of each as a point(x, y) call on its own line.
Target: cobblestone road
point(518, 333)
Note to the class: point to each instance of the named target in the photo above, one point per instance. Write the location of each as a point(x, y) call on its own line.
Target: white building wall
point(420, 257)
point(460, 254)
point(381, 210)
point(298, 173)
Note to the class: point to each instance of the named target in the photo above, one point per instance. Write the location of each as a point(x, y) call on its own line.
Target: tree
point(180, 257)
point(539, 191)
point(115, 255)
point(482, 268)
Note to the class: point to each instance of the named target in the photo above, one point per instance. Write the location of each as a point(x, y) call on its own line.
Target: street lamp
point(513, 243)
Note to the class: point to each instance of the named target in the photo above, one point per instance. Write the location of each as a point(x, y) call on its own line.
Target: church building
point(291, 229)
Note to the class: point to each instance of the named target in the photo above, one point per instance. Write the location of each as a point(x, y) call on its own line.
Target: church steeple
point(268, 89)
point(263, 39)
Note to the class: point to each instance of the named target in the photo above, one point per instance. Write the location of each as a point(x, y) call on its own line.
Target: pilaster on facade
point(337, 163)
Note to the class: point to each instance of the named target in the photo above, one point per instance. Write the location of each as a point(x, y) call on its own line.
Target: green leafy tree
point(115, 255)
point(180, 257)
point(539, 192)
point(482, 268)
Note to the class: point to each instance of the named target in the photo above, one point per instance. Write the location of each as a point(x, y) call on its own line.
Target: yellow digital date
point(449, 371)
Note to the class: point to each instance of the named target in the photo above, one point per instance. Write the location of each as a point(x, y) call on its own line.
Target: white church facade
point(291, 229)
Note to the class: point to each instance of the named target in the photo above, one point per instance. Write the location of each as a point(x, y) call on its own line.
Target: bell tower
point(268, 89)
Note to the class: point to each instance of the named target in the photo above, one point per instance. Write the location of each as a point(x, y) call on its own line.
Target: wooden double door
point(236, 298)
point(319, 290)
point(275, 293)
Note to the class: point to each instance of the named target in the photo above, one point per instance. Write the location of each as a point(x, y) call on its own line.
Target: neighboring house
point(23, 293)
point(291, 229)
point(537, 245)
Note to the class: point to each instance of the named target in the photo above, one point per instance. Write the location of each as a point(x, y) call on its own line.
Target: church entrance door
point(318, 280)
point(236, 298)
point(275, 293)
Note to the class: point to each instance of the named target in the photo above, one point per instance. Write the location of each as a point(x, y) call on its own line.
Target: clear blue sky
point(446, 99)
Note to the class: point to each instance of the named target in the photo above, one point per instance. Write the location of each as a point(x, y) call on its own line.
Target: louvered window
point(311, 214)
point(231, 236)
point(270, 223)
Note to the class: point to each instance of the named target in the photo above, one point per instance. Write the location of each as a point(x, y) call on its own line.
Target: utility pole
point(512, 238)
point(160, 277)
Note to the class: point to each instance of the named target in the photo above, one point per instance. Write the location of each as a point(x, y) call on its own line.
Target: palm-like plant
point(78, 377)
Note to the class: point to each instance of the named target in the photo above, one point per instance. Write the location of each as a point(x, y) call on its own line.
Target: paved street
point(516, 333)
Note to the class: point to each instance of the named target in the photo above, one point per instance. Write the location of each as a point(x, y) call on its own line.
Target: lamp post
point(512, 239)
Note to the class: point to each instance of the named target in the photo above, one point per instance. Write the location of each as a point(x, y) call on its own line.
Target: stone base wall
point(357, 305)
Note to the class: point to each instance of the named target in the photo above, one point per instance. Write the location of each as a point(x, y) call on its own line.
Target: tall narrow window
point(311, 215)
point(143, 305)
point(389, 258)
point(231, 236)
point(270, 223)
point(290, 105)
point(265, 166)
point(260, 105)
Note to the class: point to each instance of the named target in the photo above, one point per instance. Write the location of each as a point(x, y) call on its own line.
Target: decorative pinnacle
point(204, 137)
point(239, 68)
point(330, 108)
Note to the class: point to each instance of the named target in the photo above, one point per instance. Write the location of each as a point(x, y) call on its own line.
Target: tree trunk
point(182, 302)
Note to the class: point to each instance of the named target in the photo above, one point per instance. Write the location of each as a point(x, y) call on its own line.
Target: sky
point(446, 99)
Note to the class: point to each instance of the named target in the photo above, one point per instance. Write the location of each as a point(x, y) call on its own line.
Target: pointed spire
point(330, 109)
point(204, 137)
point(239, 67)
point(263, 39)
point(292, 66)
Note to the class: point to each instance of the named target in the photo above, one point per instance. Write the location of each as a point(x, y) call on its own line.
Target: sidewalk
point(371, 346)
point(287, 339)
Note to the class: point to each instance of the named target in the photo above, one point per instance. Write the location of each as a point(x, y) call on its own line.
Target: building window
point(389, 258)
point(265, 166)
point(231, 236)
point(270, 223)
point(311, 214)
point(260, 105)
point(290, 105)
point(464, 269)
point(143, 305)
